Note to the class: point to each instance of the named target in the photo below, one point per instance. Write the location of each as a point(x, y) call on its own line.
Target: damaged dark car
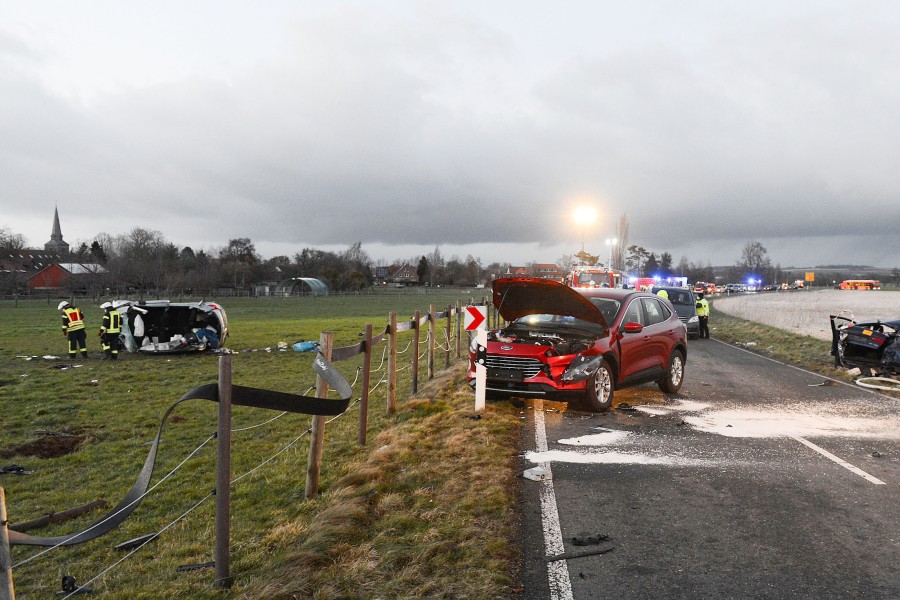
point(873, 347)
point(164, 327)
point(579, 344)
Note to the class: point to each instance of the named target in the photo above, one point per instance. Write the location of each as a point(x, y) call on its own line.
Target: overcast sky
point(473, 126)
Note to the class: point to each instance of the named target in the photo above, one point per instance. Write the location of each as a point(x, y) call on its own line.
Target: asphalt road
point(756, 481)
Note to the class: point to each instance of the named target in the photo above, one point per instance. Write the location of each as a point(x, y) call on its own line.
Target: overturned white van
point(164, 327)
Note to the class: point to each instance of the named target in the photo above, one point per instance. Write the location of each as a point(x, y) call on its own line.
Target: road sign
point(475, 318)
point(811, 276)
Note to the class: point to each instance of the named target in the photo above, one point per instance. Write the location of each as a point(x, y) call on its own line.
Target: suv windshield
point(681, 297)
point(608, 308)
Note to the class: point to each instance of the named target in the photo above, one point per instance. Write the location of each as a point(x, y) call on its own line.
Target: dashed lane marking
point(839, 460)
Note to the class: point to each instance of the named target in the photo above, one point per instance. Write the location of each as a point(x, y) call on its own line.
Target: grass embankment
point(791, 348)
point(427, 508)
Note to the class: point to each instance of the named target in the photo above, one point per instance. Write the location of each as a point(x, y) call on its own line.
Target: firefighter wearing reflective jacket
point(109, 331)
point(703, 315)
point(73, 329)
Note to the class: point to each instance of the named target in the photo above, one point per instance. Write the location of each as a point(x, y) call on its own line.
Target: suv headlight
point(582, 368)
point(694, 319)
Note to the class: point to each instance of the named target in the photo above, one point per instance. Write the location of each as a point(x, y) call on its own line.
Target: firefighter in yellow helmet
point(73, 329)
point(109, 331)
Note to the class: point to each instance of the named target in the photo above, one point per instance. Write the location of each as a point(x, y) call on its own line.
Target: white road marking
point(557, 570)
point(838, 460)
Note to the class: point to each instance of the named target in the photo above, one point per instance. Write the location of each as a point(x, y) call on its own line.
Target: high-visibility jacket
point(112, 322)
point(72, 320)
point(702, 308)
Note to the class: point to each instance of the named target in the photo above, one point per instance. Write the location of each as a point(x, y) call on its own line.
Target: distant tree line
point(143, 262)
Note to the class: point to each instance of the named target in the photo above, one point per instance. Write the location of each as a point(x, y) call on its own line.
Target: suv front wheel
point(600, 389)
point(674, 377)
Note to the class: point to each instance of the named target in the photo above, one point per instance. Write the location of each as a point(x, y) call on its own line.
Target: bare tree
point(618, 260)
point(11, 241)
point(754, 259)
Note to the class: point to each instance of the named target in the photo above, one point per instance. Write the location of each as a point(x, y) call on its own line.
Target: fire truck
point(594, 276)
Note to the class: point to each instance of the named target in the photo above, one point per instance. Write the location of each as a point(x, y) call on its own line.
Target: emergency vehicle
point(594, 277)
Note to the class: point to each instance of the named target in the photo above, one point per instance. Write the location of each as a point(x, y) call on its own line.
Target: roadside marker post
point(476, 319)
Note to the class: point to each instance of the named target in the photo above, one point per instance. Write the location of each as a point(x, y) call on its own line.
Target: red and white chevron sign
point(475, 318)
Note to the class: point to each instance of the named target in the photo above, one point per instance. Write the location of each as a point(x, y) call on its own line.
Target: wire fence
point(363, 386)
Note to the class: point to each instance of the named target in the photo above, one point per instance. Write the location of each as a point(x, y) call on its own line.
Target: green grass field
point(389, 521)
point(397, 518)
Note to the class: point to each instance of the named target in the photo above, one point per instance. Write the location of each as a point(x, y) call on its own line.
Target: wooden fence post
point(431, 341)
point(6, 579)
point(223, 476)
point(447, 330)
point(392, 366)
point(317, 434)
point(459, 319)
point(364, 395)
point(415, 357)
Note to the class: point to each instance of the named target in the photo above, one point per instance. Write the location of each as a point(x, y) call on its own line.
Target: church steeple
point(56, 243)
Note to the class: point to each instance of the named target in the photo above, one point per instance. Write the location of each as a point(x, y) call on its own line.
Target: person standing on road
point(109, 331)
point(73, 329)
point(703, 315)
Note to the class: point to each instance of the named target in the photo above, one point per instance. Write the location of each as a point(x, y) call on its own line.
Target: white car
point(163, 327)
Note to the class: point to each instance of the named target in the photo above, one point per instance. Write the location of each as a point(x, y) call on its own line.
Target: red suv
point(562, 342)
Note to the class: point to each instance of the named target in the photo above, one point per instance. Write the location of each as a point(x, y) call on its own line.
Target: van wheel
point(674, 376)
point(600, 388)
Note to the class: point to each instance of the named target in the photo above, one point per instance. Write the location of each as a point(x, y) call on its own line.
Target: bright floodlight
point(584, 215)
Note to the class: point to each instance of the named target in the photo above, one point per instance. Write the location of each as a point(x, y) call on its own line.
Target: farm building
point(65, 276)
point(301, 286)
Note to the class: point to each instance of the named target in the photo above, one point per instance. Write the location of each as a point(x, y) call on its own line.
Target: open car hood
point(516, 297)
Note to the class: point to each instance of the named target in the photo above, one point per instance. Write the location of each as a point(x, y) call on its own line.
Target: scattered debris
point(537, 474)
point(887, 384)
point(626, 407)
point(59, 517)
point(70, 587)
point(136, 542)
point(826, 383)
point(876, 454)
point(206, 565)
point(14, 470)
point(473, 417)
point(586, 539)
point(568, 555)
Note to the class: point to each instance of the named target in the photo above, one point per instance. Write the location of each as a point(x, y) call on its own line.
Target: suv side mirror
point(633, 327)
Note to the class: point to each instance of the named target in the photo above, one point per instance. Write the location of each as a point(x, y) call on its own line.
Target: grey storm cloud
point(412, 124)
